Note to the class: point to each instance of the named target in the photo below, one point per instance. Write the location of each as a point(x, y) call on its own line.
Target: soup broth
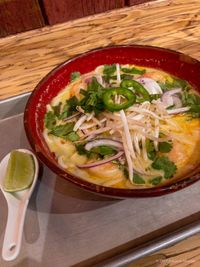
point(125, 126)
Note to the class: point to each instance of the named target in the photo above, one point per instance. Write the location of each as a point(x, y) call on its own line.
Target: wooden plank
point(136, 2)
point(19, 15)
point(64, 10)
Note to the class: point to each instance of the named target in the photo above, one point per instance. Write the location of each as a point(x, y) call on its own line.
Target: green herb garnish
point(163, 163)
point(57, 109)
point(165, 147)
point(109, 69)
point(156, 180)
point(92, 98)
point(108, 72)
point(133, 70)
point(176, 83)
point(73, 136)
point(69, 108)
point(74, 75)
point(137, 179)
point(151, 152)
point(193, 101)
point(99, 151)
point(50, 120)
point(104, 150)
point(63, 130)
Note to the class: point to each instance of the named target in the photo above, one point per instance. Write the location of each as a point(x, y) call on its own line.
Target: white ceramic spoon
point(17, 205)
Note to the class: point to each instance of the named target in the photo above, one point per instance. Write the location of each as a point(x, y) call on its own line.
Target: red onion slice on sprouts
point(150, 85)
point(177, 102)
point(103, 142)
point(178, 110)
point(101, 162)
point(169, 99)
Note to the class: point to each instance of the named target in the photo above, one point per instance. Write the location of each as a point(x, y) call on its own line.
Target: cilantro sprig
point(137, 179)
point(163, 163)
point(65, 131)
point(74, 75)
point(193, 101)
point(133, 70)
point(50, 120)
point(92, 98)
point(100, 151)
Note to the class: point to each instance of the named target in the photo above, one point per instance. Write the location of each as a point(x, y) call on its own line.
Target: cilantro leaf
point(49, 120)
point(57, 109)
point(189, 99)
point(109, 69)
point(73, 136)
point(156, 180)
point(163, 163)
point(108, 72)
point(193, 101)
point(176, 83)
point(99, 151)
point(151, 152)
point(93, 98)
point(133, 70)
point(165, 147)
point(195, 109)
point(74, 75)
point(104, 150)
point(137, 179)
point(81, 149)
point(62, 130)
point(69, 108)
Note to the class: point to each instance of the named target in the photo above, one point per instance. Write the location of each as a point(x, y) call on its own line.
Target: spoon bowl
point(17, 205)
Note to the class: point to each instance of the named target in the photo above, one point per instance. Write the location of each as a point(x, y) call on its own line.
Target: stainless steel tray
point(66, 226)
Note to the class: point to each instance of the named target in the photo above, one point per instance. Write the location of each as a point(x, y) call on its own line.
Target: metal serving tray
point(66, 226)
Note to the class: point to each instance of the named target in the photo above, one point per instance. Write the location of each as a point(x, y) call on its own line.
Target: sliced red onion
point(72, 116)
point(177, 110)
point(101, 162)
point(177, 102)
point(170, 99)
point(150, 85)
point(167, 96)
point(103, 142)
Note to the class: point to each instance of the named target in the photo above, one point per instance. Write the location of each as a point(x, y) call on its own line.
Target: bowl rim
point(95, 188)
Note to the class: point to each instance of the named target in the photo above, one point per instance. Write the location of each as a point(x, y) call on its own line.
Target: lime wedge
point(20, 172)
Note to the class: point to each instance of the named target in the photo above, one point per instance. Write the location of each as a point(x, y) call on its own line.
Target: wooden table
point(27, 57)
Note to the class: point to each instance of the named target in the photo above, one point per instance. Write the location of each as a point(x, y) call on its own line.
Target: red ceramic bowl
point(170, 61)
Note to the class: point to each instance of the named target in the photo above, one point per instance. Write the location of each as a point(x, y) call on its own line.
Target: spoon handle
point(14, 228)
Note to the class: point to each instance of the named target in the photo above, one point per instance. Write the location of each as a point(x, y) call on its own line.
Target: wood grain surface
point(27, 57)
point(136, 2)
point(64, 10)
point(19, 15)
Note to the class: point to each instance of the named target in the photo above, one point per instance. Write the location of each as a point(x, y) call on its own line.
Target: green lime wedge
point(20, 172)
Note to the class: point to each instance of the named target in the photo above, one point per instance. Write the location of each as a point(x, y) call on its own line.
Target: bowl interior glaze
point(173, 62)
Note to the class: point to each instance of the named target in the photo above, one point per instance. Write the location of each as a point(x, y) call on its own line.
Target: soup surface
point(125, 126)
